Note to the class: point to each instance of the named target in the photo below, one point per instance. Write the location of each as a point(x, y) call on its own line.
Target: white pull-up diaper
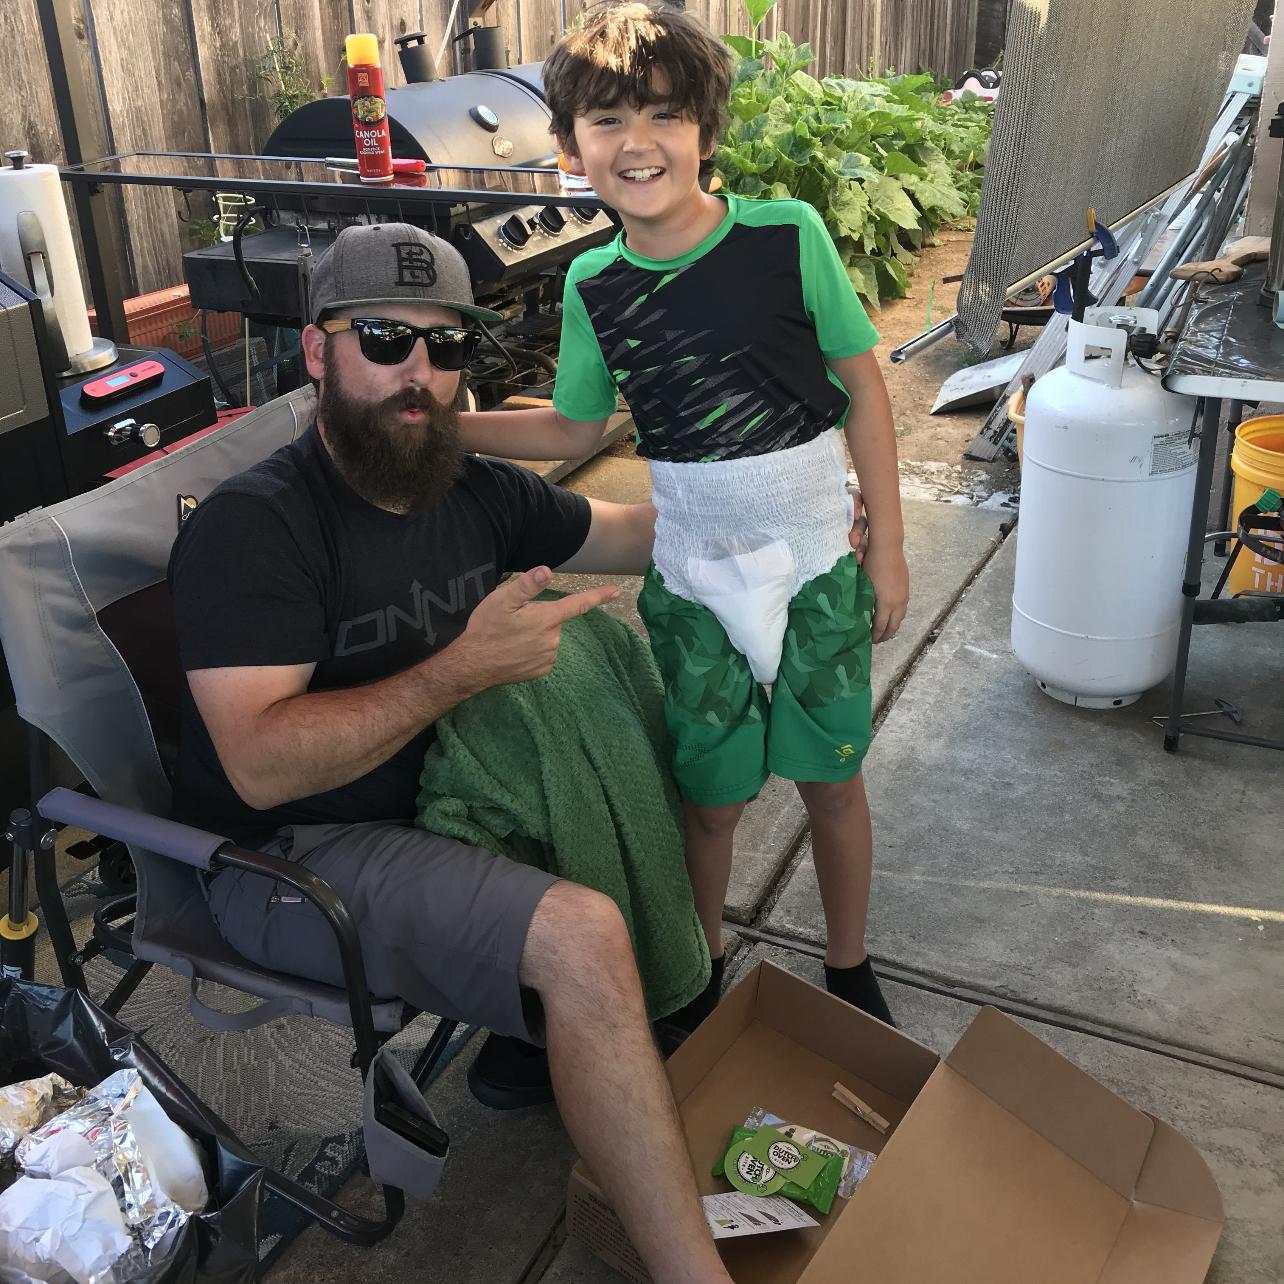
point(749, 591)
point(742, 536)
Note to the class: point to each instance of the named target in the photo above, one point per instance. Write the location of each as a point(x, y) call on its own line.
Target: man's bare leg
point(610, 1086)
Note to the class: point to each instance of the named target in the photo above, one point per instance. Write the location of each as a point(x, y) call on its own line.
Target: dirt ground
point(931, 446)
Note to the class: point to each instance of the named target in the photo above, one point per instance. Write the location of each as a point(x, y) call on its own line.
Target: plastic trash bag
point(46, 1029)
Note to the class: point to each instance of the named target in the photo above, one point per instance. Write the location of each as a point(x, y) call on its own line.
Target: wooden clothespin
point(861, 1109)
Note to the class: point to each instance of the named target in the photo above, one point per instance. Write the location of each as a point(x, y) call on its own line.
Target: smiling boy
point(733, 332)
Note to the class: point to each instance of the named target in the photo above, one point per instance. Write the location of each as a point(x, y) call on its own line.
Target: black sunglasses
point(389, 343)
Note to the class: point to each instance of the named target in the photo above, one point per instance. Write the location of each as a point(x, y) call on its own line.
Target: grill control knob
point(551, 219)
point(127, 430)
point(514, 233)
point(584, 216)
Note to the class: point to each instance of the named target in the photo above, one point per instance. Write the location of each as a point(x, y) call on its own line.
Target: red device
point(123, 382)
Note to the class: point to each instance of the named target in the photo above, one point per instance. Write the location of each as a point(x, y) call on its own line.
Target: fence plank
point(320, 27)
point(537, 20)
point(28, 119)
point(146, 56)
point(231, 48)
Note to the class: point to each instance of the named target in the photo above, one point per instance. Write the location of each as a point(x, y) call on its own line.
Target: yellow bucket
point(1258, 464)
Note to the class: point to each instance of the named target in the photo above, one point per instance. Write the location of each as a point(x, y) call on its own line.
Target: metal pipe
point(1198, 218)
point(921, 342)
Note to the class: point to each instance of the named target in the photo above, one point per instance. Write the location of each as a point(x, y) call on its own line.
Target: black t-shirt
point(286, 564)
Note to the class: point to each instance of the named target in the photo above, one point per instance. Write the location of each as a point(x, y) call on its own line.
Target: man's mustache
point(412, 399)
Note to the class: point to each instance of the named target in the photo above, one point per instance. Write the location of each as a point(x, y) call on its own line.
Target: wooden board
point(232, 41)
point(146, 56)
point(320, 27)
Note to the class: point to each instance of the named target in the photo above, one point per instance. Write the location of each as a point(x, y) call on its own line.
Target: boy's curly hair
point(610, 56)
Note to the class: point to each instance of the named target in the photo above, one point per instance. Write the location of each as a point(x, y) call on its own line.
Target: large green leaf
point(860, 269)
point(892, 277)
point(895, 163)
point(745, 46)
point(887, 197)
point(757, 11)
point(849, 209)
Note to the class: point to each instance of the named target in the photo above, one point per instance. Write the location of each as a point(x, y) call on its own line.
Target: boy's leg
point(842, 844)
point(611, 1089)
point(716, 716)
point(819, 734)
point(710, 832)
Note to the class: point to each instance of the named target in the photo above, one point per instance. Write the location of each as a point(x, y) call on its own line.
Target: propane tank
point(1107, 486)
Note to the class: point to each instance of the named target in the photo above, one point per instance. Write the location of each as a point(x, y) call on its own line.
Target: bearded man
point(332, 602)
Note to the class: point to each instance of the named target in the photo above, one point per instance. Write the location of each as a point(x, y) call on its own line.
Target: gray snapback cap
point(392, 263)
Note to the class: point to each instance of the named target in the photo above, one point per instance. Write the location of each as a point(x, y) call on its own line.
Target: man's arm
point(871, 438)
point(619, 540)
point(277, 741)
point(529, 434)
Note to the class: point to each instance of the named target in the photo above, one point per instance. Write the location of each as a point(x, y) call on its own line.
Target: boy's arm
point(529, 434)
point(871, 439)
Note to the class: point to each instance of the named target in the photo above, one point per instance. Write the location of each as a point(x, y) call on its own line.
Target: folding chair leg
point(433, 1051)
point(362, 1231)
point(44, 862)
point(126, 986)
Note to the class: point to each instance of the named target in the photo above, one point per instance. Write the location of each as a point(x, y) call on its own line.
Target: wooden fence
point(184, 75)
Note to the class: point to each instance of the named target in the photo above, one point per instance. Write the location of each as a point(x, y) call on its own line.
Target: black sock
point(689, 1017)
point(858, 986)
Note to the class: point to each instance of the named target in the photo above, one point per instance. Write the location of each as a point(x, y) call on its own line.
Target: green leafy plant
point(882, 160)
point(288, 83)
point(202, 232)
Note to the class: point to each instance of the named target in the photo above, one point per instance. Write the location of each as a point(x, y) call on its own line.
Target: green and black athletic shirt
point(720, 353)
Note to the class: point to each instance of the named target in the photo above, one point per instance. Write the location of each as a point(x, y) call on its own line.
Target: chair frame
point(53, 806)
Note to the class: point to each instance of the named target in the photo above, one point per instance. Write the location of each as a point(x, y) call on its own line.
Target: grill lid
point(474, 119)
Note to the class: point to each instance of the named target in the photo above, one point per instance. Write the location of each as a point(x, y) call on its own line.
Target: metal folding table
point(1229, 352)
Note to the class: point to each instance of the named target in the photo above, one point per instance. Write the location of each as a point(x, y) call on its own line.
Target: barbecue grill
point(491, 188)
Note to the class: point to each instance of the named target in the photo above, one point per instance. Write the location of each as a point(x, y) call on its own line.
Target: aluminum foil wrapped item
point(120, 1129)
point(25, 1106)
point(69, 1228)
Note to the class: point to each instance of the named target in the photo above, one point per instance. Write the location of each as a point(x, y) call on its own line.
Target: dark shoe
point(668, 1038)
point(687, 1018)
point(510, 1074)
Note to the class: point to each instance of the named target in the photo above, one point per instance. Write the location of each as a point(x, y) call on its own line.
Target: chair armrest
point(335, 912)
point(168, 838)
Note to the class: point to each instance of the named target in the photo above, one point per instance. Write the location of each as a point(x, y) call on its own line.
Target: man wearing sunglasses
point(332, 602)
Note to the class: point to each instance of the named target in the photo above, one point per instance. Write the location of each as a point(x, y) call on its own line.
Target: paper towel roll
point(39, 189)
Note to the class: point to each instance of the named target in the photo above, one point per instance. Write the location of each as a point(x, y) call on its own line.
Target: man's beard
point(392, 464)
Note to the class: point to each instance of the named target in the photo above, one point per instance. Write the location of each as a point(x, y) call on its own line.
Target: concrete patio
point(1125, 903)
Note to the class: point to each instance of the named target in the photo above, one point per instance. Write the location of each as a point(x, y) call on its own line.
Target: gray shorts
point(442, 925)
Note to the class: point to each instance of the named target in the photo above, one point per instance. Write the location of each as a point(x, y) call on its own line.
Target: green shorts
point(727, 736)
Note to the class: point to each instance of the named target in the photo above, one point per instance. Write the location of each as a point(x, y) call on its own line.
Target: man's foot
point(859, 986)
point(510, 1074)
point(687, 1018)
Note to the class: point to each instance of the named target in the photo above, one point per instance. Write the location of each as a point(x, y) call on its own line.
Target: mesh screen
point(1104, 104)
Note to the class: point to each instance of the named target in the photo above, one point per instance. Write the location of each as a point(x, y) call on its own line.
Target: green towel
point(571, 773)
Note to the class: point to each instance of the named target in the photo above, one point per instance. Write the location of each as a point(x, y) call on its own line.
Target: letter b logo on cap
point(416, 265)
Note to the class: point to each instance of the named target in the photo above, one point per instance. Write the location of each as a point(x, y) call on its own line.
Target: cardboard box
point(1004, 1164)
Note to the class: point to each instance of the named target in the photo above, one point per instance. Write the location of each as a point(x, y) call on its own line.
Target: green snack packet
point(819, 1193)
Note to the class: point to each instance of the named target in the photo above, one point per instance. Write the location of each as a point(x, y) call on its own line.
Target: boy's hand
point(858, 536)
point(889, 574)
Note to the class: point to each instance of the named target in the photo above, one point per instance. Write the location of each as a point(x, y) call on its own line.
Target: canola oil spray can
point(369, 108)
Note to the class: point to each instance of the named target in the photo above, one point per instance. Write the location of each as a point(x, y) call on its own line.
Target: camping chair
point(88, 632)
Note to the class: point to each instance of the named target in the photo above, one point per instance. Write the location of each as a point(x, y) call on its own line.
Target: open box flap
point(1013, 1165)
point(1052, 1096)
